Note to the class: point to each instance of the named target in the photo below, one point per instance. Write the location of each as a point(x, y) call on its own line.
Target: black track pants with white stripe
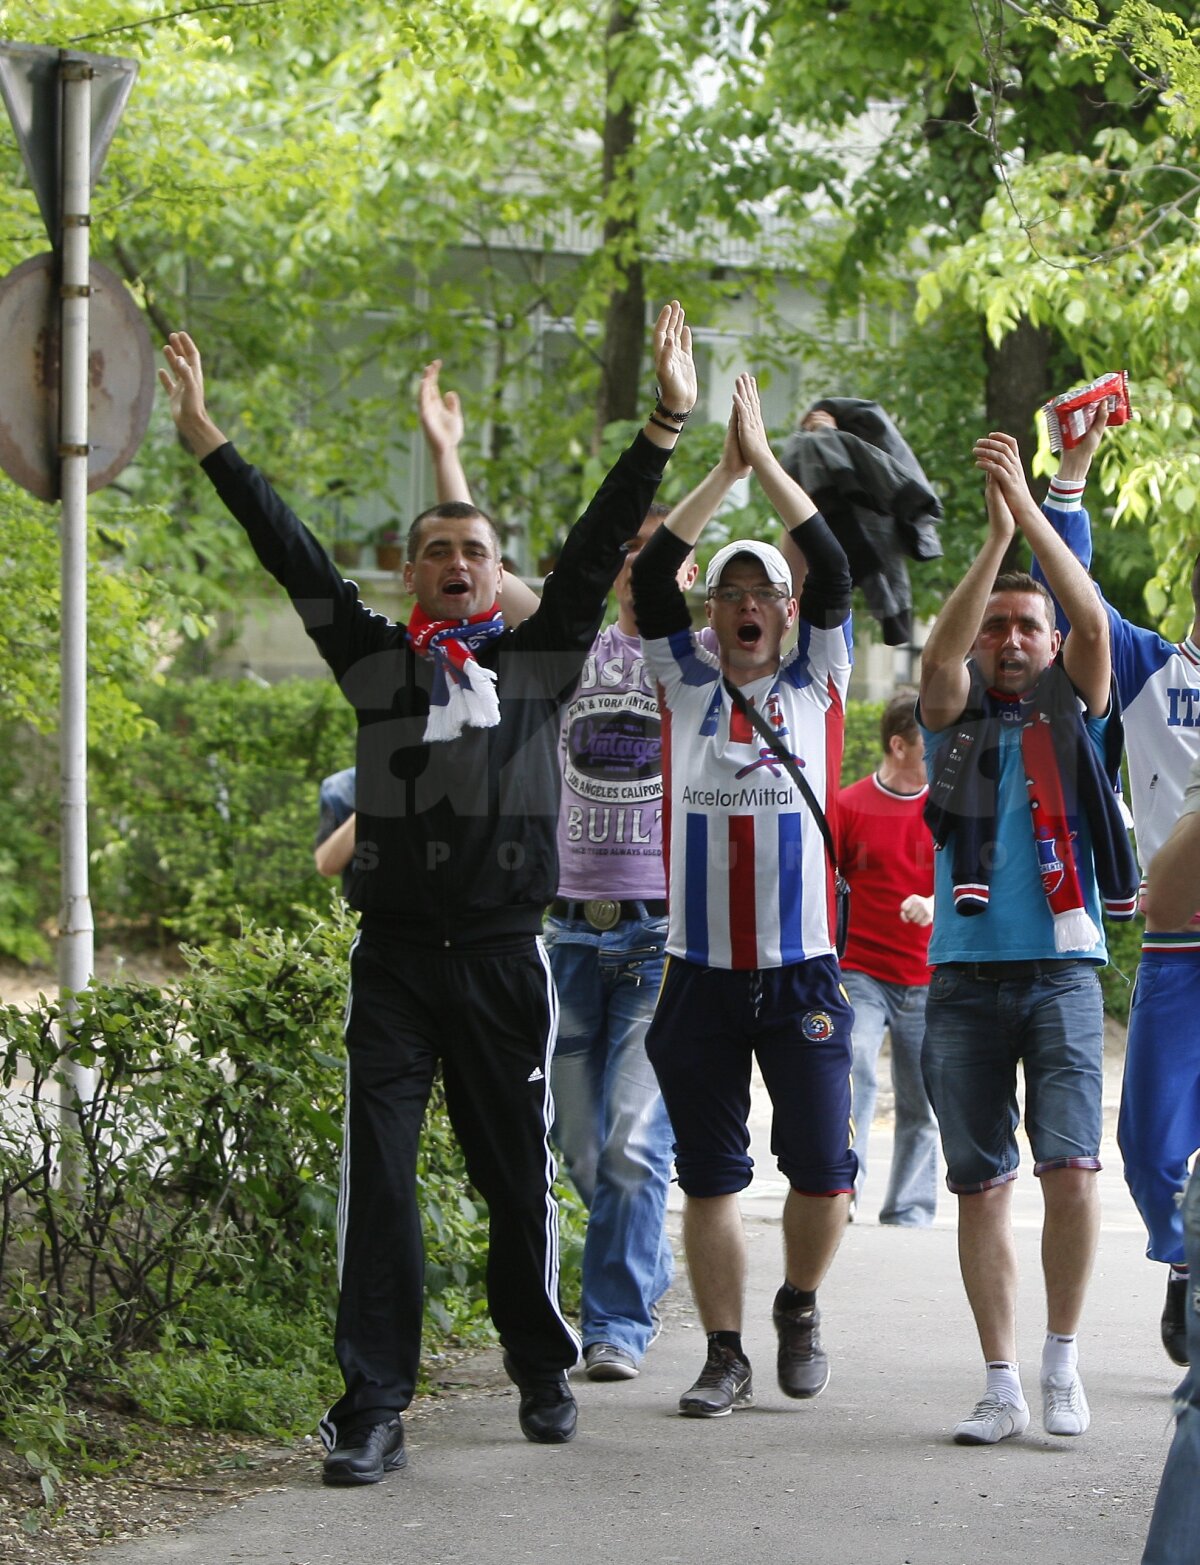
point(490, 1015)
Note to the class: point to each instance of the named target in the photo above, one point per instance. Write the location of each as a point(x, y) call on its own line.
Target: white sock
point(1005, 1380)
point(1059, 1353)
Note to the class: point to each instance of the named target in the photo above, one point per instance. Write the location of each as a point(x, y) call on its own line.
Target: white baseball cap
point(767, 555)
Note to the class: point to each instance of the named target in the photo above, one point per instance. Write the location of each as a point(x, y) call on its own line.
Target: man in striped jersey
point(751, 967)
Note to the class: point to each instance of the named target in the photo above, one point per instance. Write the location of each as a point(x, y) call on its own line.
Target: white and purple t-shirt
point(748, 875)
point(610, 818)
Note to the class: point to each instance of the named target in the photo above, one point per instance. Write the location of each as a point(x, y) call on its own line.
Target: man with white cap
point(751, 968)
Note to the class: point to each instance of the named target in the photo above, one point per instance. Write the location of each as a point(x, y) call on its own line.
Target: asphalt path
point(866, 1473)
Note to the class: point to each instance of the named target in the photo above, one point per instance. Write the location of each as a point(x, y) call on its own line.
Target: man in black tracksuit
point(454, 864)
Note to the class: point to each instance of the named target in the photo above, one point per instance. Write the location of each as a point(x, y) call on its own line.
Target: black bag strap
point(793, 771)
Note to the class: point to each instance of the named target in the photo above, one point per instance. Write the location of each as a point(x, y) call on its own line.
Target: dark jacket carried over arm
point(872, 490)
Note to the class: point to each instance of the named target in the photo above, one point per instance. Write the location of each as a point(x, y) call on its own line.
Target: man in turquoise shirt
point(1016, 942)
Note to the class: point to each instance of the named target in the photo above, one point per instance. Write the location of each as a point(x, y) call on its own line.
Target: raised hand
point(183, 381)
point(751, 431)
point(441, 416)
point(999, 457)
point(1073, 465)
point(673, 363)
point(733, 461)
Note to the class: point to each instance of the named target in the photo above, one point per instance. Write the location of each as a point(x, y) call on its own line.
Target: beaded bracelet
point(677, 418)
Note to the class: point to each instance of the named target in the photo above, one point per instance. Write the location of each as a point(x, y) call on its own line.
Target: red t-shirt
point(886, 853)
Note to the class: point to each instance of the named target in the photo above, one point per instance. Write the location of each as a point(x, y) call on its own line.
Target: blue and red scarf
point(463, 693)
point(1065, 781)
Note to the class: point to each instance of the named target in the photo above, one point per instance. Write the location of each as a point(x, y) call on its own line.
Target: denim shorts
point(980, 1020)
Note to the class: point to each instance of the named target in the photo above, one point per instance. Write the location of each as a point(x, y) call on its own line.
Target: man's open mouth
point(749, 635)
point(454, 589)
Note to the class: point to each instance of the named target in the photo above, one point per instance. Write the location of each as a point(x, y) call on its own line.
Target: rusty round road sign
point(120, 376)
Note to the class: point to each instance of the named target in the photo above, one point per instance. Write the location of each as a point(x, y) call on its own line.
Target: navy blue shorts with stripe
point(709, 1026)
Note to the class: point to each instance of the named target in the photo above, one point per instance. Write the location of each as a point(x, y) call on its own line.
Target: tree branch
point(174, 16)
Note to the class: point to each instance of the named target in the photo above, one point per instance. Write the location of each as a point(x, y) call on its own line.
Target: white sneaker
point(1065, 1408)
point(992, 1419)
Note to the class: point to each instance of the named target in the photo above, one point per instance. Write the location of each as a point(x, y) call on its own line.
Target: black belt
point(607, 912)
point(1000, 972)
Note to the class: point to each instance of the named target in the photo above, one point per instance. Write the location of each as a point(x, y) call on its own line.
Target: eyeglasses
point(734, 595)
point(632, 545)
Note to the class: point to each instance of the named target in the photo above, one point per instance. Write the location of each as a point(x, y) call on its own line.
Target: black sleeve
point(825, 597)
point(658, 601)
point(342, 628)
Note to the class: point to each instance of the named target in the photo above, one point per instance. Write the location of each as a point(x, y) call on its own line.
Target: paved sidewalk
point(867, 1472)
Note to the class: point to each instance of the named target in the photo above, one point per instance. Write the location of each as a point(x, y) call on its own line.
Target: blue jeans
point(1158, 1128)
point(610, 1121)
point(1175, 1524)
point(980, 1019)
point(911, 1200)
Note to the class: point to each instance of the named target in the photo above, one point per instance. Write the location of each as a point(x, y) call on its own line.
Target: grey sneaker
point(991, 1419)
point(1065, 1408)
point(605, 1361)
point(802, 1363)
point(725, 1383)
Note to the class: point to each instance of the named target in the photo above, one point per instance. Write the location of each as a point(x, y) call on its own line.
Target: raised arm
point(791, 504)
point(1076, 462)
point(1064, 507)
point(693, 513)
point(816, 558)
point(443, 426)
point(676, 372)
point(183, 381)
point(945, 682)
point(1086, 656)
point(659, 605)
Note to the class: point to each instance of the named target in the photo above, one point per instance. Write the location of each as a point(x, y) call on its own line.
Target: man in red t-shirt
point(886, 853)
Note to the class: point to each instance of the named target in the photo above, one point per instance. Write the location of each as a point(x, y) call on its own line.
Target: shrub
point(174, 1240)
point(861, 753)
point(209, 821)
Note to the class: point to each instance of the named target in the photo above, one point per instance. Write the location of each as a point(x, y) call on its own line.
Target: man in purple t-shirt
point(605, 933)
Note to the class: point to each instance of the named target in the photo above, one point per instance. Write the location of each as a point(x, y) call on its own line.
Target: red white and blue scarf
point(463, 693)
point(1065, 780)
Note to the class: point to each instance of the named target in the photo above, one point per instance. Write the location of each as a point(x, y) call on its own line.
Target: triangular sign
point(32, 92)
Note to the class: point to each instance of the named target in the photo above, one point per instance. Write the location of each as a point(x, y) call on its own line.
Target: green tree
point(1035, 168)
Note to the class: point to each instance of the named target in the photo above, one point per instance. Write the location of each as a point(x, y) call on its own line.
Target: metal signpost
point(64, 107)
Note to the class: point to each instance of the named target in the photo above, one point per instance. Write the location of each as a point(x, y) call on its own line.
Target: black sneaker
point(547, 1413)
point(802, 1364)
point(366, 1454)
point(1174, 1320)
point(725, 1383)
